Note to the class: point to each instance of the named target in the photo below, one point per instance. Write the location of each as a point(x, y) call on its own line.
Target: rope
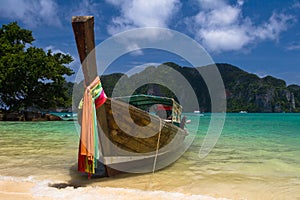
point(157, 146)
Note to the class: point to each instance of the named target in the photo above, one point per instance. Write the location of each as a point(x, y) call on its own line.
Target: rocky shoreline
point(29, 116)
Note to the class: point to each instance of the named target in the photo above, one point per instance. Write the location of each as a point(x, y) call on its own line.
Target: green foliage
point(271, 81)
point(29, 76)
point(109, 82)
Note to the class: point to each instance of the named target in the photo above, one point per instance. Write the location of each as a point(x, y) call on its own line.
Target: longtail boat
point(138, 133)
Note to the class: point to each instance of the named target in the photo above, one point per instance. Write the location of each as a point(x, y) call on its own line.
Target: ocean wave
point(42, 188)
point(107, 193)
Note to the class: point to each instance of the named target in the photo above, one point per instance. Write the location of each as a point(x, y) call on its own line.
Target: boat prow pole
point(83, 28)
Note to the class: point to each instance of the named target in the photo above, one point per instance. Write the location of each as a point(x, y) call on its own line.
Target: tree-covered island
point(33, 80)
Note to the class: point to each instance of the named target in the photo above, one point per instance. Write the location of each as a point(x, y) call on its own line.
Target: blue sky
point(259, 36)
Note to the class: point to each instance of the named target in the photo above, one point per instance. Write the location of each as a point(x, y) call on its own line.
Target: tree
point(29, 76)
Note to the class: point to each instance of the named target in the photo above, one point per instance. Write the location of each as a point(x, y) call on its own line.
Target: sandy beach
point(209, 188)
point(11, 190)
point(28, 190)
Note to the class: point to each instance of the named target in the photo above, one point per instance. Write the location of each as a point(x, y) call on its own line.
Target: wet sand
point(26, 190)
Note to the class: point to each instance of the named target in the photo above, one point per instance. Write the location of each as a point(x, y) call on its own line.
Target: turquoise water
point(257, 157)
point(37, 148)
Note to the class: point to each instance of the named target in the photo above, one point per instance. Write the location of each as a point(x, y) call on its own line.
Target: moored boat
point(198, 112)
point(138, 133)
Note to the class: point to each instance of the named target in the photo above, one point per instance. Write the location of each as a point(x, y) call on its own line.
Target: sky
point(258, 36)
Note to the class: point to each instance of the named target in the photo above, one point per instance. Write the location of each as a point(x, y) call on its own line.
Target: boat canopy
point(143, 99)
point(144, 102)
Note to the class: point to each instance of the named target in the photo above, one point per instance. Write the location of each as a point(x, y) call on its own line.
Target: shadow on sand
point(79, 179)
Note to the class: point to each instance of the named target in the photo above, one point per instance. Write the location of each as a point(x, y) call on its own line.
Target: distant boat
point(67, 116)
point(243, 111)
point(198, 112)
point(123, 144)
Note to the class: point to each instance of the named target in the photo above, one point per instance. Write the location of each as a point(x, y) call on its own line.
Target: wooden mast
point(83, 28)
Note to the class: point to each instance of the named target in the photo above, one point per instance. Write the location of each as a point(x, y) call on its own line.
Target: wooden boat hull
point(126, 146)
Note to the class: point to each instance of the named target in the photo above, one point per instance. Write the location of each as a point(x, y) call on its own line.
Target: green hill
point(244, 91)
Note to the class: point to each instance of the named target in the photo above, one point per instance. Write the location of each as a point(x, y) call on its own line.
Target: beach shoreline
point(146, 186)
point(34, 190)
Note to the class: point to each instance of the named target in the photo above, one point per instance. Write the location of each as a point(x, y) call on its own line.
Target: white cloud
point(54, 50)
point(261, 74)
point(74, 65)
point(296, 5)
point(135, 49)
point(232, 38)
point(86, 7)
point(140, 68)
point(294, 46)
point(140, 13)
point(222, 27)
point(31, 12)
point(271, 29)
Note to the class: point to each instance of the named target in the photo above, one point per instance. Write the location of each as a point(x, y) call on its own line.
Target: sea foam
point(42, 189)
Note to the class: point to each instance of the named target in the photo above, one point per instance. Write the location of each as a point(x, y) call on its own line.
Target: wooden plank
point(102, 121)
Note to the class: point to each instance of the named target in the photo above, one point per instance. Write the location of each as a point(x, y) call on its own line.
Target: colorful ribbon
point(88, 154)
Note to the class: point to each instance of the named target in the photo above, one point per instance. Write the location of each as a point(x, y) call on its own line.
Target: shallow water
point(256, 157)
